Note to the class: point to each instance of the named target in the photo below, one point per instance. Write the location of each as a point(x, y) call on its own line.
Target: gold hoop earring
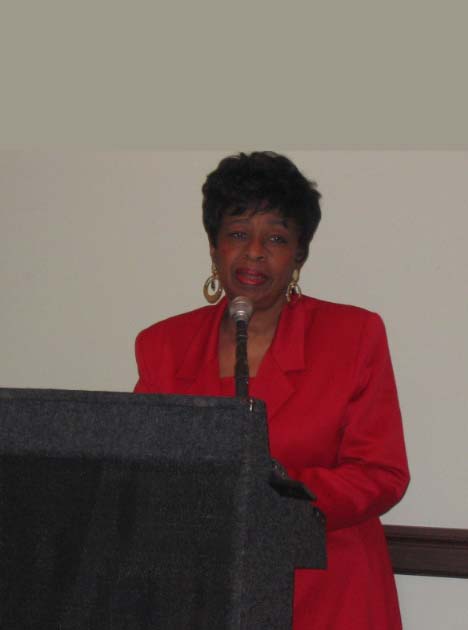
point(212, 289)
point(293, 287)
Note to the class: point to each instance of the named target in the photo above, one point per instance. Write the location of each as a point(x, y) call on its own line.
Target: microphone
point(240, 309)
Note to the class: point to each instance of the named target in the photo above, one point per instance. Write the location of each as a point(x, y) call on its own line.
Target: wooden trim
point(434, 551)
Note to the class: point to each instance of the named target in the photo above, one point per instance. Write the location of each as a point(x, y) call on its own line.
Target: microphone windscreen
point(241, 308)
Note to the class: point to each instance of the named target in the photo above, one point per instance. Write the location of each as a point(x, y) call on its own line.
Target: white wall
point(96, 246)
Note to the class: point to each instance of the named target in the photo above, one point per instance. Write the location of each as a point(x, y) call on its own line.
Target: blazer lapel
point(286, 354)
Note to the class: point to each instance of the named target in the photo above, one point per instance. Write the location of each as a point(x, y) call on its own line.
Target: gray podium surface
point(134, 512)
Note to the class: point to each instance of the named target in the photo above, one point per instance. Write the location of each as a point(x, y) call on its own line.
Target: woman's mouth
point(250, 277)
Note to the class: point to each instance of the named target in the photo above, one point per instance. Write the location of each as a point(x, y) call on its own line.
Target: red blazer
point(334, 423)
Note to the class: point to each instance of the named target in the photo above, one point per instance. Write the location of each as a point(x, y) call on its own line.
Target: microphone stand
point(241, 370)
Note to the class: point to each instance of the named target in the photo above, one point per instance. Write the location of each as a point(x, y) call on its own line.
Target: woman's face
point(255, 255)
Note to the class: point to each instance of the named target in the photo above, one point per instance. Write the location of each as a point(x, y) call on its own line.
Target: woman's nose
point(255, 249)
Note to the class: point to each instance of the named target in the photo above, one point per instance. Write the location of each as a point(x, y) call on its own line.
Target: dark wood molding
point(434, 551)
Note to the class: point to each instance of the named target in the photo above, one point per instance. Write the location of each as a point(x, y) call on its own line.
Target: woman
point(323, 370)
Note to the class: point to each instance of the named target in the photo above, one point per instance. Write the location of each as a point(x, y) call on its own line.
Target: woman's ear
point(299, 258)
point(212, 251)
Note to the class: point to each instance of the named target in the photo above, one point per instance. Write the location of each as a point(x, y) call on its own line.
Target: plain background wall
point(96, 246)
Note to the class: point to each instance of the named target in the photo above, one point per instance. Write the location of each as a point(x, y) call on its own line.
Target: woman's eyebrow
point(274, 221)
point(236, 220)
point(279, 221)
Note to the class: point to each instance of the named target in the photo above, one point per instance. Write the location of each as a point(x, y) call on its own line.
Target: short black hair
point(263, 181)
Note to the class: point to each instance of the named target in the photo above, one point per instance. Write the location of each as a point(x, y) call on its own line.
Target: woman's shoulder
point(342, 321)
point(337, 309)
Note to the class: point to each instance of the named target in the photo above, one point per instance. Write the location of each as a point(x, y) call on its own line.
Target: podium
point(138, 512)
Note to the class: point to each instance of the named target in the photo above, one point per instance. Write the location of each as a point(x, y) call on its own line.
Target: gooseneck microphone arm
point(241, 370)
point(240, 310)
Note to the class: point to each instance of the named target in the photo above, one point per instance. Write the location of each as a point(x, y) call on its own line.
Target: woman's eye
point(277, 238)
point(237, 235)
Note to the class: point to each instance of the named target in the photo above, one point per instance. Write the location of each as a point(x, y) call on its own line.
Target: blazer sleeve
point(143, 385)
point(157, 357)
point(153, 359)
point(371, 471)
